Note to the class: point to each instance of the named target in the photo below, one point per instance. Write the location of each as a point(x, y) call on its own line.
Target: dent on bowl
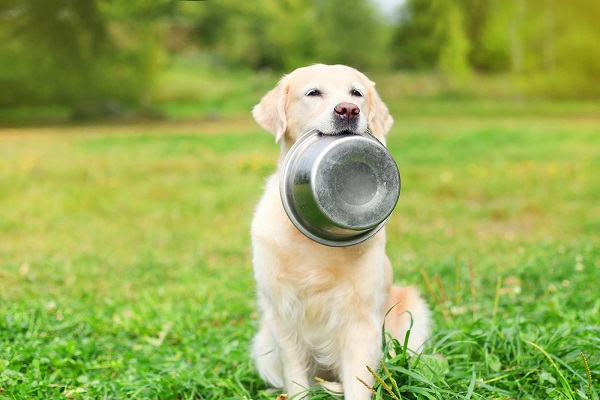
point(339, 190)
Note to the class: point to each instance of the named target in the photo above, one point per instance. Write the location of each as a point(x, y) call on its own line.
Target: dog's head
point(332, 99)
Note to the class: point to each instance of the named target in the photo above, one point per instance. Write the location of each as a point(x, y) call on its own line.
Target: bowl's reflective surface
point(339, 190)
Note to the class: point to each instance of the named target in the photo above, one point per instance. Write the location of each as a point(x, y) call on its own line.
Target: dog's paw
point(333, 388)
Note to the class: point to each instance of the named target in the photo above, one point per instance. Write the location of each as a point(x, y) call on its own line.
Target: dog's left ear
point(270, 112)
point(379, 120)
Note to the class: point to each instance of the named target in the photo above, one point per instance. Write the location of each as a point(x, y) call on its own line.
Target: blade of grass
point(563, 380)
point(445, 309)
point(457, 290)
point(437, 299)
point(389, 375)
point(589, 375)
point(367, 385)
point(382, 383)
point(471, 386)
point(473, 291)
point(497, 297)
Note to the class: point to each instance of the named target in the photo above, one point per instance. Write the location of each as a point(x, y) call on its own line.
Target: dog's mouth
point(348, 129)
point(339, 133)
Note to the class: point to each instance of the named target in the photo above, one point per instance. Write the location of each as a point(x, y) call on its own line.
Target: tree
point(286, 34)
point(76, 53)
point(485, 23)
point(354, 34)
point(417, 39)
point(453, 58)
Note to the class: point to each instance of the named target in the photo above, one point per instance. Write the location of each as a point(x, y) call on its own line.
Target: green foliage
point(100, 56)
point(354, 34)
point(551, 47)
point(493, 359)
point(284, 35)
point(73, 53)
point(453, 60)
point(418, 36)
point(570, 50)
point(487, 46)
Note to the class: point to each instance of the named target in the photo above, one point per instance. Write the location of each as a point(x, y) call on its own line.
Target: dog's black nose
point(347, 111)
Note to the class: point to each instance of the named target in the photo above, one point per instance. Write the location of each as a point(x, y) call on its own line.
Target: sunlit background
point(102, 59)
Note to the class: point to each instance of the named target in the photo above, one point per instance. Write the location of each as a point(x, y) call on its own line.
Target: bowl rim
point(291, 211)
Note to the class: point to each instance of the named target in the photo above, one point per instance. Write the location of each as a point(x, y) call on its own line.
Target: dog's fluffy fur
point(322, 308)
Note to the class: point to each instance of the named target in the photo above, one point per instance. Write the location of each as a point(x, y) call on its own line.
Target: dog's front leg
point(294, 366)
point(362, 347)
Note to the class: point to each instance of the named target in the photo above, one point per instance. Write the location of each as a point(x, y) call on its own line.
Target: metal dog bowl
point(339, 190)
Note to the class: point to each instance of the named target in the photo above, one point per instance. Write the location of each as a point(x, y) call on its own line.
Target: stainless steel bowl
point(339, 190)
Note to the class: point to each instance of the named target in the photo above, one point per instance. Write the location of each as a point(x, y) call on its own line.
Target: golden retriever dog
point(322, 308)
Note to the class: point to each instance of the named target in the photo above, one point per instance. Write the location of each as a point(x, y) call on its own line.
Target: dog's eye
point(356, 92)
point(313, 92)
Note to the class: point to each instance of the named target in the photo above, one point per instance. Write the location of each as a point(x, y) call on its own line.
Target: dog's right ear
point(270, 112)
point(380, 121)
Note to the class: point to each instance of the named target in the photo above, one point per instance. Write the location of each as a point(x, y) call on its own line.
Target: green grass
point(125, 255)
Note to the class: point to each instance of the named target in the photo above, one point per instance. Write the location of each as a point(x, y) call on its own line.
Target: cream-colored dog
point(322, 308)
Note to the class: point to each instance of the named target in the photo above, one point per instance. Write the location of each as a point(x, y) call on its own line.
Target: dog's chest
point(321, 287)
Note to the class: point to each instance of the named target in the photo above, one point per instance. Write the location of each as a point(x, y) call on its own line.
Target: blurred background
point(96, 59)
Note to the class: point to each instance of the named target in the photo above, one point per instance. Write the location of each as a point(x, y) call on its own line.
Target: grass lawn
point(125, 256)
